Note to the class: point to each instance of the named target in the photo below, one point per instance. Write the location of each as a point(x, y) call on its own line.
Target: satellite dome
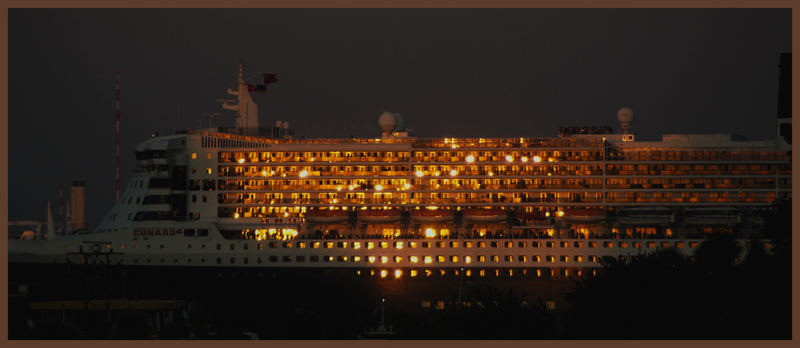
point(625, 116)
point(387, 121)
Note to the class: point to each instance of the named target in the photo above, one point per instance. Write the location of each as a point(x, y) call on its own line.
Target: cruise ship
point(399, 206)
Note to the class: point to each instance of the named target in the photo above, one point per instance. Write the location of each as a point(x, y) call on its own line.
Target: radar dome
point(625, 118)
point(387, 121)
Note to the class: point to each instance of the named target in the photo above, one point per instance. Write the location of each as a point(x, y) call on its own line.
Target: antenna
point(117, 139)
point(210, 116)
point(60, 208)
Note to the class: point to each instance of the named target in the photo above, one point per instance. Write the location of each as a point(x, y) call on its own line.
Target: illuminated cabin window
point(578, 244)
point(356, 245)
point(578, 258)
point(398, 259)
point(468, 259)
point(426, 244)
point(428, 273)
point(623, 244)
point(371, 259)
point(693, 244)
point(328, 245)
point(356, 258)
point(315, 245)
point(548, 244)
point(564, 244)
point(342, 258)
point(341, 245)
point(509, 244)
point(522, 244)
point(260, 247)
point(440, 244)
point(427, 259)
point(370, 245)
point(412, 244)
point(550, 258)
point(564, 258)
point(593, 258)
point(651, 245)
point(440, 258)
point(194, 155)
point(413, 273)
point(482, 273)
point(453, 258)
point(535, 244)
point(522, 258)
point(454, 245)
point(481, 244)
point(301, 245)
point(495, 258)
point(608, 244)
point(665, 244)
point(398, 245)
point(272, 245)
point(637, 245)
point(384, 245)
point(509, 258)
point(287, 245)
point(384, 259)
point(468, 244)
point(536, 258)
point(593, 244)
point(413, 259)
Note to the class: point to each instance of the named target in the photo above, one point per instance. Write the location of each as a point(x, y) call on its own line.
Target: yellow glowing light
point(350, 187)
point(509, 158)
point(235, 215)
point(370, 245)
point(286, 214)
point(419, 174)
point(453, 172)
point(453, 146)
point(338, 188)
point(241, 160)
point(470, 159)
point(428, 259)
point(547, 214)
point(537, 159)
point(263, 173)
point(407, 186)
point(550, 159)
point(560, 213)
point(413, 259)
point(436, 174)
point(524, 159)
point(467, 259)
point(384, 273)
point(303, 173)
point(491, 174)
point(371, 259)
point(399, 245)
point(398, 273)
point(430, 233)
point(413, 273)
point(356, 245)
point(378, 187)
point(384, 259)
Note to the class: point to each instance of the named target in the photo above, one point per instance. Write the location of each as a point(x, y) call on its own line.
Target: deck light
point(419, 174)
point(241, 160)
point(378, 187)
point(453, 172)
point(303, 173)
point(470, 159)
point(537, 159)
point(509, 158)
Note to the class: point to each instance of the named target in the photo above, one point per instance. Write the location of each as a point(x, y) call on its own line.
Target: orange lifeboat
point(592, 214)
point(380, 215)
point(532, 216)
point(426, 215)
point(326, 216)
point(485, 215)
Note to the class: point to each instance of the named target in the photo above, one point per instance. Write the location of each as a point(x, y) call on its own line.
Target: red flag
point(270, 78)
point(256, 88)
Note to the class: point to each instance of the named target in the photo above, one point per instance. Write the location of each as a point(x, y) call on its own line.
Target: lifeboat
point(533, 216)
point(647, 216)
point(712, 216)
point(585, 215)
point(431, 215)
point(390, 215)
point(485, 215)
point(326, 216)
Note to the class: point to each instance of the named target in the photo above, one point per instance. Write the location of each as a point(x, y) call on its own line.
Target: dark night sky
point(453, 72)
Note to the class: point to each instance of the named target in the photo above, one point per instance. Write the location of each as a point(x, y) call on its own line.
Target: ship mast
point(247, 111)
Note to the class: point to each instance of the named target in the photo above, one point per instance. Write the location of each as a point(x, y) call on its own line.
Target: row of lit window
point(465, 244)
